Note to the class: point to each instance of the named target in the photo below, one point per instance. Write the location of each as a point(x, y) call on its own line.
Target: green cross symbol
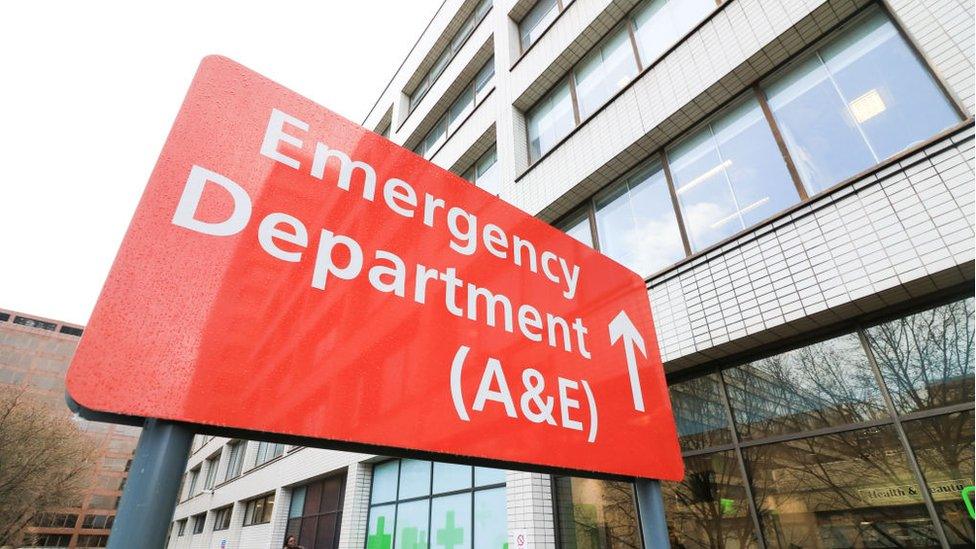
point(450, 535)
point(379, 539)
point(413, 538)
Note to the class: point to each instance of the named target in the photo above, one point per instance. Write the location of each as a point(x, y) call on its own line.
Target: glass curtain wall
point(421, 504)
point(841, 108)
point(830, 445)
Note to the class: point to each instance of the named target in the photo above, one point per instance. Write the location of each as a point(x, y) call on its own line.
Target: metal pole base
point(650, 506)
point(151, 489)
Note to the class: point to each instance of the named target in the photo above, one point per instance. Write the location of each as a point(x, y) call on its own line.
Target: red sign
point(290, 272)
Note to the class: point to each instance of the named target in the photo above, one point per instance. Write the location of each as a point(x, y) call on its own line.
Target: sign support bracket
point(650, 508)
point(150, 493)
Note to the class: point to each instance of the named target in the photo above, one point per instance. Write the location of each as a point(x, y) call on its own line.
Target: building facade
point(34, 354)
point(794, 180)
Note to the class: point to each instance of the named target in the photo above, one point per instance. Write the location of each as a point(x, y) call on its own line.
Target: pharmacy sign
point(289, 272)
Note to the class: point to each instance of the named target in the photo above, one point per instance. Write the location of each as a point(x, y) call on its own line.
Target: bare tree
point(45, 461)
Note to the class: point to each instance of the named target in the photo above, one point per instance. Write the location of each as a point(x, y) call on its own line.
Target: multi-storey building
point(34, 355)
point(793, 178)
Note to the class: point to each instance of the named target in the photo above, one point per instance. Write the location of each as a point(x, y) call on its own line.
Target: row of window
point(467, 27)
point(812, 435)
point(266, 451)
point(256, 511)
point(64, 540)
point(650, 29)
point(839, 109)
point(41, 324)
point(471, 96)
point(538, 19)
point(416, 503)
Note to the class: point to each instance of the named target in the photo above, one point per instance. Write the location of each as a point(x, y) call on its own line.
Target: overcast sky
point(90, 89)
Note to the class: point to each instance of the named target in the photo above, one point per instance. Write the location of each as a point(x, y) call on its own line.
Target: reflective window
point(596, 514)
point(636, 222)
point(926, 359)
point(943, 446)
point(604, 71)
point(490, 531)
point(485, 173)
point(268, 451)
point(258, 510)
point(211, 479)
point(577, 226)
point(444, 59)
point(851, 489)
point(450, 521)
point(235, 461)
point(659, 24)
point(820, 385)
point(436, 505)
point(730, 175)
point(699, 413)
point(550, 120)
point(315, 512)
point(472, 93)
point(856, 101)
point(542, 14)
point(709, 508)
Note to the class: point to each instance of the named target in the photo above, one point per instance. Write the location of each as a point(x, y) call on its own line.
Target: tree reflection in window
point(926, 359)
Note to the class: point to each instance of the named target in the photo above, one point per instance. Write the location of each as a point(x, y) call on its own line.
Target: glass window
point(436, 136)
point(943, 446)
point(414, 478)
point(444, 59)
point(820, 385)
point(542, 14)
point(411, 524)
point(198, 522)
point(659, 24)
point(550, 120)
point(441, 521)
point(709, 508)
point(856, 101)
point(636, 222)
point(577, 226)
point(699, 413)
point(222, 518)
point(258, 510)
point(596, 514)
point(450, 521)
point(490, 518)
point(235, 461)
point(268, 451)
point(385, 481)
point(851, 489)
point(379, 531)
point(313, 516)
point(730, 175)
point(451, 476)
point(181, 527)
point(926, 359)
point(483, 476)
point(483, 79)
point(212, 463)
point(463, 105)
point(485, 173)
point(604, 71)
point(194, 476)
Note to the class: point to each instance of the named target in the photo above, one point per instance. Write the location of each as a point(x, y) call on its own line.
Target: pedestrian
point(291, 543)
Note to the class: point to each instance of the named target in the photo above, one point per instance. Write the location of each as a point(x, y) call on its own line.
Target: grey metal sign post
point(151, 489)
point(650, 507)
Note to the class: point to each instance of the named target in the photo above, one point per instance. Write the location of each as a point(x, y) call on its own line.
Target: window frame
point(449, 57)
point(754, 88)
point(199, 519)
point(478, 96)
point(251, 507)
point(235, 459)
point(430, 495)
point(222, 518)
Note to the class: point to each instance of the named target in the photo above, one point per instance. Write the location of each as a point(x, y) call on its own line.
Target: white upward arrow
point(622, 327)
